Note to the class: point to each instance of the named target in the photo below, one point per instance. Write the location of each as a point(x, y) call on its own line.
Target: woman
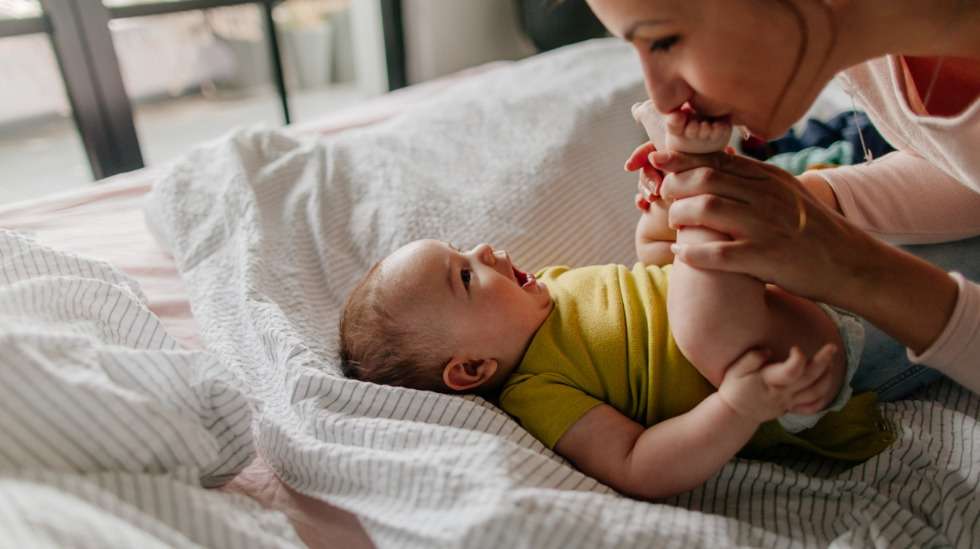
point(915, 68)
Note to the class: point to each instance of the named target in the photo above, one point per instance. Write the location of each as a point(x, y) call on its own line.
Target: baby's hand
point(687, 132)
point(761, 392)
point(650, 178)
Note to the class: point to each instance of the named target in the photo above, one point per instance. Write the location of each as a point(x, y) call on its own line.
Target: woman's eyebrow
point(631, 30)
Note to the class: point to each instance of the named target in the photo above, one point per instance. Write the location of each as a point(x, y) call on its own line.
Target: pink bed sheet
point(106, 222)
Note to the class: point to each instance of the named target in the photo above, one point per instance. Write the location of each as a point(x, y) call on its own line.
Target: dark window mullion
point(394, 38)
point(83, 45)
point(27, 25)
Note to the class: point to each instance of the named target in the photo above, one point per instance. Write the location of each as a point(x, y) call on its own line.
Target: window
point(126, 83)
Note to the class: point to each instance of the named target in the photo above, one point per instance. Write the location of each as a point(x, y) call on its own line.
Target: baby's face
point(488, 307)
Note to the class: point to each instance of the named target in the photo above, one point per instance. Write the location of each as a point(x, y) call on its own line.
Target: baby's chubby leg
point(716, 316)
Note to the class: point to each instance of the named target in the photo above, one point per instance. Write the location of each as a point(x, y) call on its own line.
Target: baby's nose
point(486, 254)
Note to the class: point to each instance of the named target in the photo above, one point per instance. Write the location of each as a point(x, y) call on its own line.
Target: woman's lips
point(688, 109)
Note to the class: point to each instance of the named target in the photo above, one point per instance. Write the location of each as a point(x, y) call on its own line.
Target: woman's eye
point(465, 276)
point(664, 44)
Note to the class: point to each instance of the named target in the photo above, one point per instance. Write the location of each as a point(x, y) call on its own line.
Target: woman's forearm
point(905, 296)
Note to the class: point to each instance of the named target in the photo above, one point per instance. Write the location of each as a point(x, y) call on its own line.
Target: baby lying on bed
point(586, 360)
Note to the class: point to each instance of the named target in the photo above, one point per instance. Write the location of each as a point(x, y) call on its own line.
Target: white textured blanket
point(108, 431)
point(270, 234)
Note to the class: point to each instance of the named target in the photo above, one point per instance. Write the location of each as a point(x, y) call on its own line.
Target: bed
point(191, 393)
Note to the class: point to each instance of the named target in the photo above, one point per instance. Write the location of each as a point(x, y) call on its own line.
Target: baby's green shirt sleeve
point(545, 404)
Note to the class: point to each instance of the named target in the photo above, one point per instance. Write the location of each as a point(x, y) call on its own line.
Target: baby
point(585, 359)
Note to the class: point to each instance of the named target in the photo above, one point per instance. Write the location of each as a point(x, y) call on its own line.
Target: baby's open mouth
point(523, 279)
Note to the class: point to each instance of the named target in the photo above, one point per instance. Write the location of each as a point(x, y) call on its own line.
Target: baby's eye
point(664, 44)
point(465, 275)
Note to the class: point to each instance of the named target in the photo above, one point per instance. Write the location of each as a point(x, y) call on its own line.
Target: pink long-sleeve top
point(927, 191)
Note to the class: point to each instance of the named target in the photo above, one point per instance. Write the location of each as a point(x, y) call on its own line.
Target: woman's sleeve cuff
point(960, 338)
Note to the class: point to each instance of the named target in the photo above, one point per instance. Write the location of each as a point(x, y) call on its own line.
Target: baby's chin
point(544, 299)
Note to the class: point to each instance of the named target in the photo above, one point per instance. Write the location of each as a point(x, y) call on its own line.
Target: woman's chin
point(761, 131)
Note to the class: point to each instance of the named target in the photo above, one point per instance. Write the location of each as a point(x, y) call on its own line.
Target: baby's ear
point(463, 374)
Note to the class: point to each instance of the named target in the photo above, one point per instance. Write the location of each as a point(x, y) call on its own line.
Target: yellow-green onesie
point(607, 340)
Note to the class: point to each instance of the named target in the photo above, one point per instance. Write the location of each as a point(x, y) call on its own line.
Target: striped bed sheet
point(107, 421)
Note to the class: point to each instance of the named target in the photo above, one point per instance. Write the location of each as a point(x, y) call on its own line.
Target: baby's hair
point(379, 346)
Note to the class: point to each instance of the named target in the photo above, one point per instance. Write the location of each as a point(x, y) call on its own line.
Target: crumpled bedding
point(109, 430)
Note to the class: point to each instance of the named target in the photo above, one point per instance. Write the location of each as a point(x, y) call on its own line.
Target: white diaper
point(852, 334)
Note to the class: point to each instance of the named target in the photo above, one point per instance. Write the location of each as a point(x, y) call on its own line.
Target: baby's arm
point(653, 235)
point(671, 457)
point(683, 452)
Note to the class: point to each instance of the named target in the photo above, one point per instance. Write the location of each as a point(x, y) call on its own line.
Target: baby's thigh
point(799, 322)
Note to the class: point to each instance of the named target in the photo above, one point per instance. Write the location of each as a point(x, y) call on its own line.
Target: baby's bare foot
point(687, 132)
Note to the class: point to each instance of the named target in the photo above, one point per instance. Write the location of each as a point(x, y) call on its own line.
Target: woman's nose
point(667, 91)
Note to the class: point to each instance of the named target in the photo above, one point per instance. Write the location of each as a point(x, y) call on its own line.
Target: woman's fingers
point(704, 180)
point(737, 256)
point(639, 158)
point(724, 215)
point(738, 166)
point(781, 233)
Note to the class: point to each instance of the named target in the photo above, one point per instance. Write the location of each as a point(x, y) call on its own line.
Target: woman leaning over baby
point(914, 67)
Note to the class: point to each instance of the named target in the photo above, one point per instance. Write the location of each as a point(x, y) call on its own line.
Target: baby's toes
point(675, 122)
point(720, 130)
point(692, 129)
point(704, 133)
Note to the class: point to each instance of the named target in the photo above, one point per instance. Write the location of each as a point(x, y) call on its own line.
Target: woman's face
point(726, 57)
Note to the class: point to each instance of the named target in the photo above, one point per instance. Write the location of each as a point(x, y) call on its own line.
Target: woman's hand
point(780, 232)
